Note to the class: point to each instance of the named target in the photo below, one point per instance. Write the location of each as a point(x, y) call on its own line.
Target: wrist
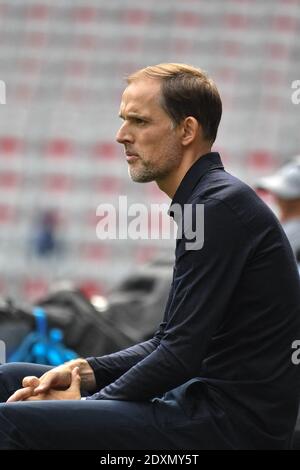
point(87, 376)
point(80, 363)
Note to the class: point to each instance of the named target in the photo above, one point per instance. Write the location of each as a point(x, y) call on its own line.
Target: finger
point(30, 381)
point(20, 395)
point(44, 385)
point(76, 379)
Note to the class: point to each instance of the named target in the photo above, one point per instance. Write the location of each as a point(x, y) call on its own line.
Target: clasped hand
point(60, 383)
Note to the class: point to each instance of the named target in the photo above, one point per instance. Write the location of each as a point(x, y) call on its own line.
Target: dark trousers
point(97, 424)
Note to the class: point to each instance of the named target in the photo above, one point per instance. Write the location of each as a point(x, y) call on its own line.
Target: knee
point(13, 369)
point(5, 371)
point(11, 376)
point(4, 382)
point(10, 436)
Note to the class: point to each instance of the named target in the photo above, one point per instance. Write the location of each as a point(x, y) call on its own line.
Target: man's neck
point(170, 183)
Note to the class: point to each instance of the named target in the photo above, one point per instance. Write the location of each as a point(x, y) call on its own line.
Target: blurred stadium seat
point(64, 63)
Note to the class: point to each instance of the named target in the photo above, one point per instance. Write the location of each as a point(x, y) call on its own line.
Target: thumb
point(30, 381)
point(76, 379)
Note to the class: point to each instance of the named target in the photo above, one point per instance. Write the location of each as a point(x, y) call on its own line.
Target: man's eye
point(139, 121)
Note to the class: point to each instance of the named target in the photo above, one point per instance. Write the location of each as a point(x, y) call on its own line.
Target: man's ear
point(190, 130)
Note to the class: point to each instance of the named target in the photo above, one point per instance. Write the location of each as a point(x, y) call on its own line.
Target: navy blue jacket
point(232, 315)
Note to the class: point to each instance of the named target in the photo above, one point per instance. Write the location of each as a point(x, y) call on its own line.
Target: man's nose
point(123, 135)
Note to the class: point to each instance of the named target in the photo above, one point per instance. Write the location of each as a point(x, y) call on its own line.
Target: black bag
point(131, 313)
point(15, 324)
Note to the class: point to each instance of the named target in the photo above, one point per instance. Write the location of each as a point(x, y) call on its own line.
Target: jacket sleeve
point(110, 367)
point(203, 284)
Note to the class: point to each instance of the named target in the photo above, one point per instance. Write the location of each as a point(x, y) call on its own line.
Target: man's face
point(151, 143)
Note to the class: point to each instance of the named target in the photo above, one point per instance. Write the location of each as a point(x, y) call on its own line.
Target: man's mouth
point(131, 157)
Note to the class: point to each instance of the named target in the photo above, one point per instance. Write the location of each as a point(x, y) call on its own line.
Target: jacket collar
point(205, 163)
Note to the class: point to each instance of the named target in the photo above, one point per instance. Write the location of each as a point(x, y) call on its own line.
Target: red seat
point(77, 68)
point(30, 65)
point(278, 51)
point(145, 254)
point(36, 38)
point(189, 19)
point(286, 23)
point(261, 160)
point(182, 46)
point(136, 17)
point(236, 21)
point(58, 183)
point(231, 48)
point(108, 184)
point(59, 148)
point(105, 150)
point(90, 288)
point(38, 12)
point(154, 194)
point(10, 145)
point(95, 252)
point(3, 289)
point(7, 214)
point(24, 92)
point(33, 289)
point(274, 77)
point(87, 41)
point(85, 14)
point(9, 179)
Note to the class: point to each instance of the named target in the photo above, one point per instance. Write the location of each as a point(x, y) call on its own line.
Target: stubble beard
point(143, 171)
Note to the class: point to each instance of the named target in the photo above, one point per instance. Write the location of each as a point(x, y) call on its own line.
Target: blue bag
point(41, 347)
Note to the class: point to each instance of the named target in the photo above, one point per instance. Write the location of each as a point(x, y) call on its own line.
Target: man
point(285, 186)
point(218, 372)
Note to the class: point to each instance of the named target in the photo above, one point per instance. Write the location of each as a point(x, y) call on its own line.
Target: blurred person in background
point(284, 185)
point(218, 372)
point(45, 239)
